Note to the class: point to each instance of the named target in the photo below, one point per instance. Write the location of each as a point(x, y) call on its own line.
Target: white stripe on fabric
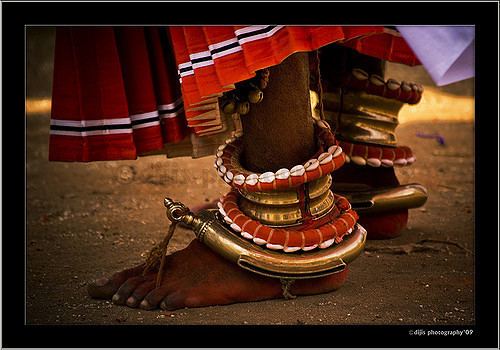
point(170, 105)
point(185, 65)
point(183, 74)
point(227, 52)
point(171, 115)
point(203, 64)
point(222, 44)
point(90, 133)
point(85, 123)
point(260, 36)
point(146, 125)
point(144, 116)
point(202, 54)
point(250, 29)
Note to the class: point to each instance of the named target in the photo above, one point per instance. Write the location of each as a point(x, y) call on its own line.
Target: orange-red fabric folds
point(115, 94)
point(120, 92)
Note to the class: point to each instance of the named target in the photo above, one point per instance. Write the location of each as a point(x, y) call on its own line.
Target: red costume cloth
point(120, 92)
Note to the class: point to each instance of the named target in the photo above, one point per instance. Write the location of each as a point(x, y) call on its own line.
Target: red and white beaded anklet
point(231, 171)
point(288, 240)
point(376, 156)
point(374, 84)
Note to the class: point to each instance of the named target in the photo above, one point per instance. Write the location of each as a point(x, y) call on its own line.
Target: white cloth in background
point(446, 52)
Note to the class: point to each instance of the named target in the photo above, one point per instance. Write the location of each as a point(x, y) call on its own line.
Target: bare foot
point(196, 277)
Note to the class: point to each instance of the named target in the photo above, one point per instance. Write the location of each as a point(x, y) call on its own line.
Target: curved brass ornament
point(362, 117)
point(385, 199)
point(210, 229)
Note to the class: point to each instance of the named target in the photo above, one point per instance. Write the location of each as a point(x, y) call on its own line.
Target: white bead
point(266, 177)
point(335, 150)
point(347, 159)
point(222, 211)
point(220, 153)
point(227, 179)
point(239, 179)
point(274, 246)
point(377, 80)
point(251, 179)
point(359, 74)
point(387, 163)
point(246, 235)
point(222, 169)
point(311, 164)
point(405, 87)
point(291, 249)
point(393, 84)
point(358, 160)
point(235, 227)
point(221, 147)
point(374, 162)
point(297, 170)
point(326, 244)
point(410, 160)
point(259, 241)
point(283, 174)
point(325, 158)
point(228, 141)
point(228, 219)
point(219, 204)
point(229, 175)
point(400, 162)
point(218, 161)
point(311, 247)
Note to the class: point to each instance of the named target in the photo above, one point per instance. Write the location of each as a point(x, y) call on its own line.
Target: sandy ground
point(86, 220)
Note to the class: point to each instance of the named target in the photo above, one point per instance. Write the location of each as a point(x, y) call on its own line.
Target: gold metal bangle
point(362, 117)
point(288, 197)
point(279, 216)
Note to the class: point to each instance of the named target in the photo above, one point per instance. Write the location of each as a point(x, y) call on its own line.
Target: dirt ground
point(89, 220)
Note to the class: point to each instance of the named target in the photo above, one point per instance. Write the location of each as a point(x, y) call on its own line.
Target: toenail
point(163, 305)
point(131, 301)
point(116, 297)
point(101, 281)
point(145, 304)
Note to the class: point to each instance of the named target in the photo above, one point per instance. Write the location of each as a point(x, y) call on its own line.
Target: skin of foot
point(197, 277)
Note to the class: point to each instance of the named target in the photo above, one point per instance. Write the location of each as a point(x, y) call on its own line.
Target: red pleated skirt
point(122, 92)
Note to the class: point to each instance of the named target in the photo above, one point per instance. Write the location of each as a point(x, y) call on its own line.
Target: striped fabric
point(120, 92)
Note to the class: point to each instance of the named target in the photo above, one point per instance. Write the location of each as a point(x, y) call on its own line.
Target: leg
point(196, 276)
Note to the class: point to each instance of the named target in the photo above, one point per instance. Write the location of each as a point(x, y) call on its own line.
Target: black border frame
point(16, 15)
